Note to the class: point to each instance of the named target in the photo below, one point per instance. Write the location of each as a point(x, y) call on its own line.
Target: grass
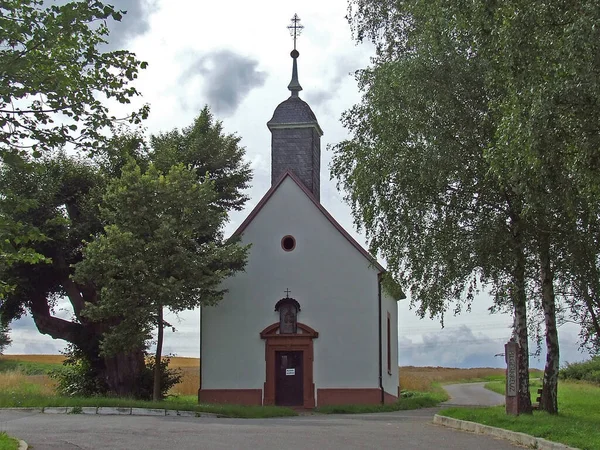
point(27, 399)
point(577, 424)
point(27, 366)
point(409, 400)
point(7, 442)
point(24, 383)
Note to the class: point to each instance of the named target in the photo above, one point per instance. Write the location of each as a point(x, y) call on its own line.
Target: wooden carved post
point(511, 352)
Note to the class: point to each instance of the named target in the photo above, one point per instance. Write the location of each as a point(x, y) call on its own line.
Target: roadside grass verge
point(408, 400)
point(188, 403)
point(7, 442)
point(577, 424)
point(24, 394)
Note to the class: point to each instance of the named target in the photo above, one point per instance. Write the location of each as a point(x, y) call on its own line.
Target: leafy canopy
point(163, 247)
point(54, 79)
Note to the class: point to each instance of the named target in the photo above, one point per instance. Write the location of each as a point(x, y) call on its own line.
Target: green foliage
point(53, 76)
point(415, 168)
point(169, 378)
point(163, 232)
point(59, 198)
point(575, 426)
point(78, 377)
point(583, 371)
point(203, 148)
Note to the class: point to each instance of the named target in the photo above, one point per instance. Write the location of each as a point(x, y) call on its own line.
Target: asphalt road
point(471, 394)
point(406, 430)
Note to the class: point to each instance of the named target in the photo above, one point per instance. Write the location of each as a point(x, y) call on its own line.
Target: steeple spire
point(295, 132)
point(295, 30)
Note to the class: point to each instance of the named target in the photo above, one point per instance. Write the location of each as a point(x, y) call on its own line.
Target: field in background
point(15, 369)
point(421, 378)
point(190, 369)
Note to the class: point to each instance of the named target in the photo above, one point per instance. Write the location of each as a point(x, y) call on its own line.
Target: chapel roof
point(293, 110)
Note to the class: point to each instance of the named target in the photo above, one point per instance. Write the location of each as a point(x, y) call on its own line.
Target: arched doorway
point(289, 366)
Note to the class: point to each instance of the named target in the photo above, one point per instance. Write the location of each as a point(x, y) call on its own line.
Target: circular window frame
point(286, 237)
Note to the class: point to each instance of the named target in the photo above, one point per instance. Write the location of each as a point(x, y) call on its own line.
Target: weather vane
point(295, 28)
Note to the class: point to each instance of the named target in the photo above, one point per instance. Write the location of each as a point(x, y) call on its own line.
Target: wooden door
point(289, 382)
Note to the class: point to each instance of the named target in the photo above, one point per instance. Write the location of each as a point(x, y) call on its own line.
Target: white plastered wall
point(334, 283)
point(389, 306)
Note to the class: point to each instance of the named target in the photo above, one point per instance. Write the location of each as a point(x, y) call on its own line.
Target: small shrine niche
point(288, 309)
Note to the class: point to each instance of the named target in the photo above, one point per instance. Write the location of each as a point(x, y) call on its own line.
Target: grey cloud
point(461, 347)
point(452, 347)
point(134, 23)
point(227, 78)
point(344, 69)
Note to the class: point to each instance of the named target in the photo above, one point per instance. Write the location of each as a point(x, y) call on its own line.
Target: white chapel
point(308, 322)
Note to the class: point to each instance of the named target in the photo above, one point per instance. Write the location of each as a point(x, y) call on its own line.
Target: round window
point(288, 243)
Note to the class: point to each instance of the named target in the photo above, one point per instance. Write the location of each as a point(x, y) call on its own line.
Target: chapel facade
point(308, 322)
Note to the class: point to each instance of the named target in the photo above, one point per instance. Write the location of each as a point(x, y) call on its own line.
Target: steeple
point(295, 132)
point(295, 30)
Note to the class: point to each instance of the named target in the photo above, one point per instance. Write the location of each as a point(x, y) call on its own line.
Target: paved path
point(404, 429)
point(471, 394)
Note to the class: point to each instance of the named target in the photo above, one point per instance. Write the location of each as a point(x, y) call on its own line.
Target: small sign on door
point(290, 371)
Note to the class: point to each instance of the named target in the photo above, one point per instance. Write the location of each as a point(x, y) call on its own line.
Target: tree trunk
point(519, 299)
point(157, 394)
point(123, 373)
point(549, 400)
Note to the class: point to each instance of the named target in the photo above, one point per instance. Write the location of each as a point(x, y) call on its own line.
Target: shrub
point(170, 377)
point(584, 371)
point(77, 377)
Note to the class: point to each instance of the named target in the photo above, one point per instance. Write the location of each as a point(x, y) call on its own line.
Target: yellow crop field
point(190, 369)
point(46, 359)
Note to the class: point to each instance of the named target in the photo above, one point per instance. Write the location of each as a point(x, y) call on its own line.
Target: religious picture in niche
point(287, 318)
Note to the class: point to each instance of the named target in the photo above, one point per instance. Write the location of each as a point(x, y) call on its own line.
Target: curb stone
point(23, 445)
point(513, 436)
point(107, 410)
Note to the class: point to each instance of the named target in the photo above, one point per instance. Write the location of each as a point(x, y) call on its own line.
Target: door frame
point(301, 341)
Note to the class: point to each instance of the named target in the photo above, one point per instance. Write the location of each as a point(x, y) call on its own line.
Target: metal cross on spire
point(295, 28)
point(287, 293)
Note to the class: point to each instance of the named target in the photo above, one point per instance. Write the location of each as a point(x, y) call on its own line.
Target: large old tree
point(67, 196)
point(164, 246)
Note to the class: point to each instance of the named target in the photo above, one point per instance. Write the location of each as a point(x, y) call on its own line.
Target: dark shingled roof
point(293, 110)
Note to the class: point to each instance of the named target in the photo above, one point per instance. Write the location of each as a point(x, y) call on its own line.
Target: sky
point(233, 55)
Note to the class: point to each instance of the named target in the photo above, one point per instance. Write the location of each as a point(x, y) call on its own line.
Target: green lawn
point(409, 400)
point(7, 442)
point(577, 424)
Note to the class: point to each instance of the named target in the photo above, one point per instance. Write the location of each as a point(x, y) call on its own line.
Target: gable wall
point(334, 284)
